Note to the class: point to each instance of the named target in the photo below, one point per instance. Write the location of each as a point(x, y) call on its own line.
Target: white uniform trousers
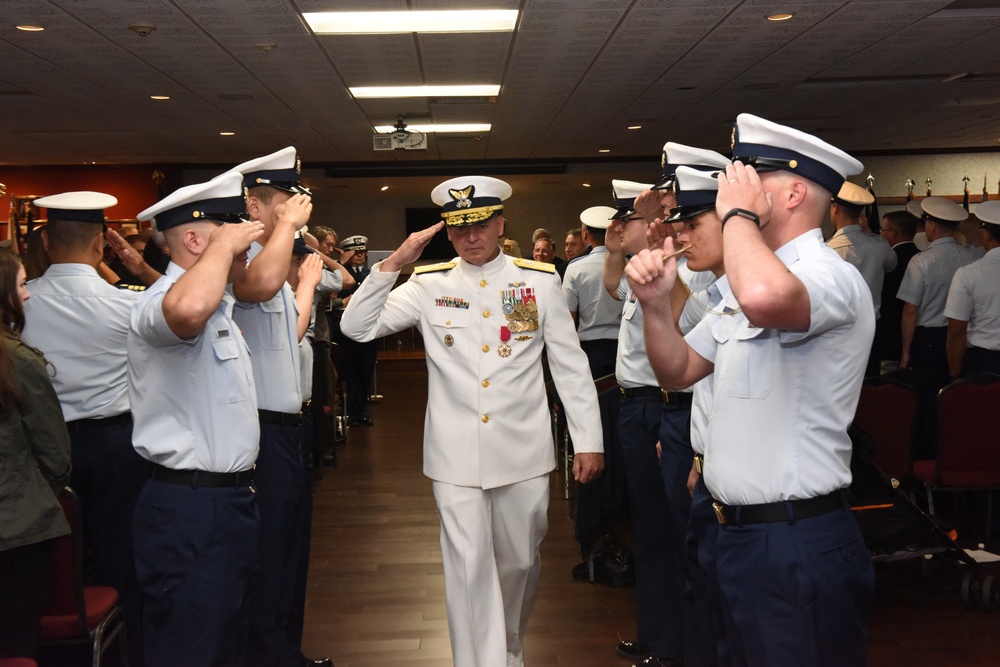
point(490, 542)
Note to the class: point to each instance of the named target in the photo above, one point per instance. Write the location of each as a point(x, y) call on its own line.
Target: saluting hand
point(411, 248)
point(740, 187)
point(294, 212)
point(310, 272)
point(129, 256)
point(237, 238)
point(648, 205)
point(657, 232)
point(613, 238)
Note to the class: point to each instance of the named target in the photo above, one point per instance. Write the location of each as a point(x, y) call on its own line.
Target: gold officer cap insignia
point(464, 196)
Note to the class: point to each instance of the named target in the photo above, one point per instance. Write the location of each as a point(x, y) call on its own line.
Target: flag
point(986, 193)
point(965, 196)
point(909, 189)
point(928, 181)
point(874, 220)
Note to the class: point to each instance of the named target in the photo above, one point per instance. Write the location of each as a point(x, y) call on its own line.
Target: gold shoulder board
point(431, 268)
point(535, 266)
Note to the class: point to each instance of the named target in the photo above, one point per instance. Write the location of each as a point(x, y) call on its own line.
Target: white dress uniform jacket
point(487, 420)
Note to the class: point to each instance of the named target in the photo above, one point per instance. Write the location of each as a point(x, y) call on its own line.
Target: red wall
point(132, 185)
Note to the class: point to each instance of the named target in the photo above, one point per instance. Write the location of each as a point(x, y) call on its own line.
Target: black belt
point(668, 397)
point(203, 478)
point(82, 424)
point(283, 418)
point(788, 510)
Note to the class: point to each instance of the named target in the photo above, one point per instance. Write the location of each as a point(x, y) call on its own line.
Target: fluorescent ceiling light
point(357, 23)
point(425, 91)
point(453, 127)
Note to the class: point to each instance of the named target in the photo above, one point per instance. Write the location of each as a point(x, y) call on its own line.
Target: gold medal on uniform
point(504, 349)
point(448, 340)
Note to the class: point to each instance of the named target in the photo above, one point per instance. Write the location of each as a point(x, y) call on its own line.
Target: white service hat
point(943, 211)
point(597, 217)
point(768, 146)
point(696, 193)
point(468, 200)
point(624, 194)
point(676, 155)
point(80, 206)
point(356, 242)
point(219, 200)
point(989, 212)
point(913, 208)
point(281, 169)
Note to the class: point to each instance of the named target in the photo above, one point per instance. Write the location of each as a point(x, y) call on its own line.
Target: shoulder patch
point(431, 268)
point(131, 288)
point(535, 266)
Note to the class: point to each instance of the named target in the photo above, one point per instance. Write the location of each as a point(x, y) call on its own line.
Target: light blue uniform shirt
point(193, 401)
point(695, 310)
point(928, 277)
point(598, 314)
point(80, 323)
point(782, 400)
point(632, 368)
point(870, 254)
point(271, 332)
point(974, 297)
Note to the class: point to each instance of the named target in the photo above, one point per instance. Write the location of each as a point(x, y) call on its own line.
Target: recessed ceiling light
point(484, 90)
point(360, 23)
point(781, 17)
point(384, 188)
point(30, 28)
point(159, 97)
point(439, 127)
point(586, 185)
point(635, 127)
point(603, 150)
point(227, 134)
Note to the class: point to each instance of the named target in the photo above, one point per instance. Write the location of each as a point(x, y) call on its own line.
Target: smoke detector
point(141, 29)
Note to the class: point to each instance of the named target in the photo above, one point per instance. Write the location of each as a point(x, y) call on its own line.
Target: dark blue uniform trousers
point(798, 593)
point(659, 562)
point(196, 561)
point(703, 611)
point(108, 475)
point(281, 501)
point(297, 619)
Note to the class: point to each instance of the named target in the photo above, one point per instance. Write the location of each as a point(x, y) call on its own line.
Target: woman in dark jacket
point(34, 465)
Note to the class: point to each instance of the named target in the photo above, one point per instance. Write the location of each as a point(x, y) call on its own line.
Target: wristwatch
point(743, 213)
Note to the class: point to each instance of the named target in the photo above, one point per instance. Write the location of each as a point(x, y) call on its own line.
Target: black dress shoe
point(653, 661)
point(633, 650)
point(322, 662)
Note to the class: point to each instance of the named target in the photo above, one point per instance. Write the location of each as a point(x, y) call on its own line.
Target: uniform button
point(482, 283)
point(486, 383)
point(486, 418)
point(486, 313)
point(486, 348)
point(447, 322)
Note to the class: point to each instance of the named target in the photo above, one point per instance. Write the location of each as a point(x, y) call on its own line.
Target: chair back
point(969, 432)
point(66, 586)
point(602, 384)
point(887, 412)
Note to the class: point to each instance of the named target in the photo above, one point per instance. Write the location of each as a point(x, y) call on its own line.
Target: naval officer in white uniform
point(485, 319)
